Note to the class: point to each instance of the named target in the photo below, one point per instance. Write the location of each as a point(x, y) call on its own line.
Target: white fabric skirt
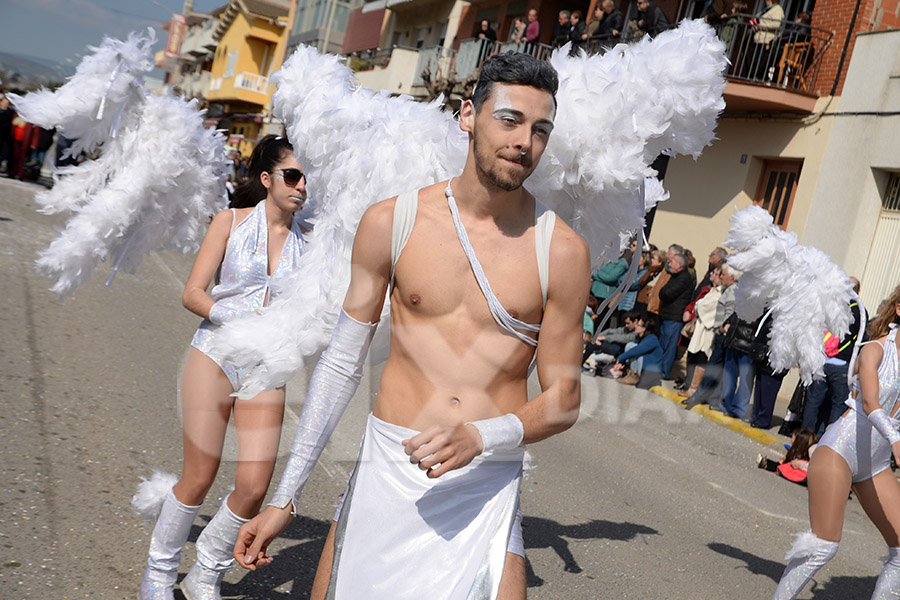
point(402, 535)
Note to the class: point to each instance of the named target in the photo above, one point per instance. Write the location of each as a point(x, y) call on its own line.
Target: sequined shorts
point(203, 341)
point(852, 436)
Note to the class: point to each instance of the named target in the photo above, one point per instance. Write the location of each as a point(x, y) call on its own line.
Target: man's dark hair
point(515, 68)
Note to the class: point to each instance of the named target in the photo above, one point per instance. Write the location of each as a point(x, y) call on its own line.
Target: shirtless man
point(454, 386)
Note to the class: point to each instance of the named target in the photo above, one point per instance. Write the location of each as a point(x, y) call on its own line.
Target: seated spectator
point(642, 358)
point(611, 342)
point(517, 31)
point(651, 18)
point(799, 30)
point(795, 464)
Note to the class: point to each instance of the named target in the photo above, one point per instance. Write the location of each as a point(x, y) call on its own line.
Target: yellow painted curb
point(767, 439)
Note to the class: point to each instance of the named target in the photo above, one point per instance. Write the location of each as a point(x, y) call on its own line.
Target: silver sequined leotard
point(244, 279)
point(853, 437)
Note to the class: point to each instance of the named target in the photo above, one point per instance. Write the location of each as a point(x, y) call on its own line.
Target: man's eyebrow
point(519, 113)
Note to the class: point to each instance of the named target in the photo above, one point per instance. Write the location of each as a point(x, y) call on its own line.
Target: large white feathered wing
point(357, 147)
point(616, 114)
point(158, 179)
point(806, 292)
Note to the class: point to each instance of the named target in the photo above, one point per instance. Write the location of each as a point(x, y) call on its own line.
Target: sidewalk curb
point(764, 438)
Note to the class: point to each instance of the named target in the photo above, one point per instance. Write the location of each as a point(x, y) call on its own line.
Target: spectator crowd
point(675, 322)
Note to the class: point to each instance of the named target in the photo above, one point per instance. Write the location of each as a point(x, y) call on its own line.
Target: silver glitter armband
point(332, 386)
point(884, 425)
point(500, 433)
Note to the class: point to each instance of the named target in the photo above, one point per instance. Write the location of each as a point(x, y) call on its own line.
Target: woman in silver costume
point(248, 249)
point(855, 452)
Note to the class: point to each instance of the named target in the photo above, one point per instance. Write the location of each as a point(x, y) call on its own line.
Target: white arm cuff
point(332, 386)
point(884, 425)
point(500, 433)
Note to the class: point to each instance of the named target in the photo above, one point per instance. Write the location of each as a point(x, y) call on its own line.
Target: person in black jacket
point(651, 18)
point(768, 381)
point(819, 414)
point(612, 23)
point(738, 371)
point(673, 299)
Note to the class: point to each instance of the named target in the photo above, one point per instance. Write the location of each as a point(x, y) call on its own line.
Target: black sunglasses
point(291, 176)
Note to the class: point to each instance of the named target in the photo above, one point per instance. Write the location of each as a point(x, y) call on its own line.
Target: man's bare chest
point(434, 277)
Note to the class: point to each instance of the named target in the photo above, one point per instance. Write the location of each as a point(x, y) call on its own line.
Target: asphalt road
point(640, 499)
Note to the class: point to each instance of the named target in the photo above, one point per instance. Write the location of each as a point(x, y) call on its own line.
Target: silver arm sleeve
point(883, 424)
point(332, 385)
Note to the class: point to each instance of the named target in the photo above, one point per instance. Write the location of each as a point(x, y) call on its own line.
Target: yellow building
point(252, 37)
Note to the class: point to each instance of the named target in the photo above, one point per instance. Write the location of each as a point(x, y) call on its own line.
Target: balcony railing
point(251, 82)
point(787, 56)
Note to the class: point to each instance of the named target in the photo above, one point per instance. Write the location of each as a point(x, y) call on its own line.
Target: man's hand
point(255, 536)
point(601, 338)
point(449, 447)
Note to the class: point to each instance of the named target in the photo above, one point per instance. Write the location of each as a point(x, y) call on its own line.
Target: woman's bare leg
point(880, 498)
point(829, 481)
point(205, 408)
point(257, 423)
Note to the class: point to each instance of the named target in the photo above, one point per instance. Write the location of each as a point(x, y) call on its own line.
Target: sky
point(60, 29)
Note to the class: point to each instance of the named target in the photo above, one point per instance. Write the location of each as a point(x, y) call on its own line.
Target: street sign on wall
point(176, 36)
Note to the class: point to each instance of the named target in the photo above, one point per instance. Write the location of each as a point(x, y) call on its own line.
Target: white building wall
point(864, 144)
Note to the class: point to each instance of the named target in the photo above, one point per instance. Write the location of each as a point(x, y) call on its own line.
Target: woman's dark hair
point(515, 68)
point(268, 152)
point(803, 439)
point(649, 322)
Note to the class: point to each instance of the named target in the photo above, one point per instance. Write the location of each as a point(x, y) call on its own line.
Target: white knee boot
point(214, 556)
point(169, 534)
point(888, 585)
point(806, 556)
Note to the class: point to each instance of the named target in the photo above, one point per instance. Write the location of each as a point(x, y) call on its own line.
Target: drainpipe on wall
point(837, 77)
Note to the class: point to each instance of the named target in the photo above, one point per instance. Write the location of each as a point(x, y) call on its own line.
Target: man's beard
point(499, 177)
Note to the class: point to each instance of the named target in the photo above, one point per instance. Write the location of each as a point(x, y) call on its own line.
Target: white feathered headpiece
point(806, 292)
point(159, 177)
point(615, 114)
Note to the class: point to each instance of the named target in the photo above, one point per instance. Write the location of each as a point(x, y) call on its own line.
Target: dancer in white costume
point(432, 501)
point(856, 452)
point(249, 249)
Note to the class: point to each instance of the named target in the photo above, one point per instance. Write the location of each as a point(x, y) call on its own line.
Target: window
point(891, 199)
point(232, 61)
point(777, 187)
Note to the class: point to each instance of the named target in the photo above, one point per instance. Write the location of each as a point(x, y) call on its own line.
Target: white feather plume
point(156, 182)
point(804, 545)
point(108, 77)
point(151, 493)
point(805, 291)
point(616, 113)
